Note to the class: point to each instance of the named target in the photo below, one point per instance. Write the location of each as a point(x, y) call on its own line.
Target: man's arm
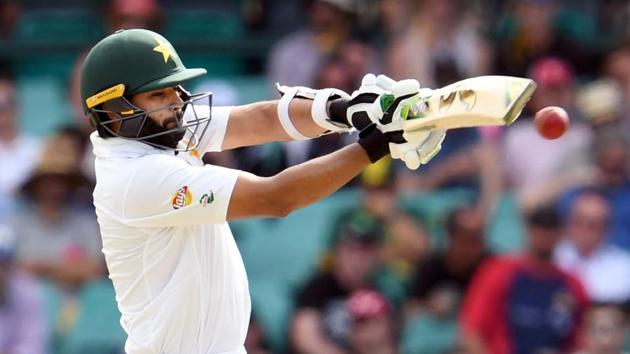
point(303, 184)
point(258, 123)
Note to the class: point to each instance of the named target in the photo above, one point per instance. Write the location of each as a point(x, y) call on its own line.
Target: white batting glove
point(390, 104)
point(419, 149)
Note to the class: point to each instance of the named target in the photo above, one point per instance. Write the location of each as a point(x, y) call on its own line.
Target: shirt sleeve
point(166, 191)
point(486, 291)
point(211, 133)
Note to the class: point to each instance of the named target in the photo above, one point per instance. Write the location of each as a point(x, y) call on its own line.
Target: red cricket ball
point(551, 122)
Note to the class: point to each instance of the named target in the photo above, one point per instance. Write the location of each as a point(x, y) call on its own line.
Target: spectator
point(441, 45)
point(440, 283)
point(603, 269)
point(55, 240)
point(540, 173)
point(295, 60)
point(18, 152)
point(533, 29)
point(321, 322)
point(524, 303)
point(451, 271)
point(605, 329)
point(22, 323)
point(611, 160)
point(407, 242)
point(372, 324)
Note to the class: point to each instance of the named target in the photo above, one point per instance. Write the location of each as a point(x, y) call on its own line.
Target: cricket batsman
point(179, 278)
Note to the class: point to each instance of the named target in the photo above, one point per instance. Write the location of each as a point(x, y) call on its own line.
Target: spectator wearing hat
point(372, 329)
point(22, 322)
point(321, 322)
point(524, 303)
point(55, 240)
point(540, 170)
point(604, 269)
point(18, 151)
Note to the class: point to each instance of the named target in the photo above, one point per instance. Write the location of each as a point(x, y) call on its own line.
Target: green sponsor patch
point(206, 199)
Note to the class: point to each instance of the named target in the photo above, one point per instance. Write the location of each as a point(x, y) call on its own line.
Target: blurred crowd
point(387, 281)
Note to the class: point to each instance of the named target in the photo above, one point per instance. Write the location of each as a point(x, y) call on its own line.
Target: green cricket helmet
point(130, 62)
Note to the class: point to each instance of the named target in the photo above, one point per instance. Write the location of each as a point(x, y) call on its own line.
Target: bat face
point(478, 101)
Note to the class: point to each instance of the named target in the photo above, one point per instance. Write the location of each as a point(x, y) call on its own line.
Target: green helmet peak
point(140, 60)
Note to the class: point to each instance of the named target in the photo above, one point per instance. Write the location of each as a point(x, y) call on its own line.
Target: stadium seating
point(42, 104)
point(96, 328)
point(58, 27)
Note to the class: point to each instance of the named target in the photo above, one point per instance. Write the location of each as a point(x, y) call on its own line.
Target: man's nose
point(177, 101)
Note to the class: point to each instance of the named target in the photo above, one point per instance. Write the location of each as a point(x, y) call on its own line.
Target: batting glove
point(387, 103)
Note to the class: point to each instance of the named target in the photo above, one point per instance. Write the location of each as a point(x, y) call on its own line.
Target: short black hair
point(545, 216)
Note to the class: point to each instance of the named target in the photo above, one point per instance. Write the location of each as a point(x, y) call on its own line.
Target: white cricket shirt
point(179, 278)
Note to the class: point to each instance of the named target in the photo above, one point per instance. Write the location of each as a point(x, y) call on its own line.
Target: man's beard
point(166, 140)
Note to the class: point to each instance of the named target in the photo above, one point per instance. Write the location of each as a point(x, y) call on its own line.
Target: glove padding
point(386, 103)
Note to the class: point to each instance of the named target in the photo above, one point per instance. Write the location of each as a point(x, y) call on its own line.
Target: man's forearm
point(318, 178)
point(313, 180)
point(297, 186)
point(258, 123)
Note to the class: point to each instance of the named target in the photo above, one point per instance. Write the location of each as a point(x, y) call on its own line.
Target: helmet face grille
point(120, 118)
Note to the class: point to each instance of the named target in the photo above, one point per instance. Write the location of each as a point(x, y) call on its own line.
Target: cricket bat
point(473, 102)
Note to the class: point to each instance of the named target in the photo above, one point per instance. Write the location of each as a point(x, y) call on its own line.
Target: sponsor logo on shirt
point(181, 198)
point(206, 199)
